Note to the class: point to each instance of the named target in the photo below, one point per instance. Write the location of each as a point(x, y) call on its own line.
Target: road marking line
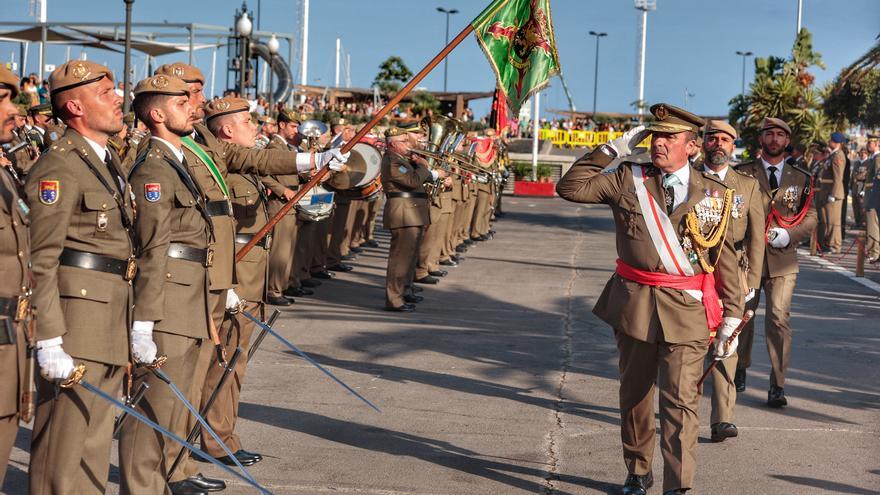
point(874, 286)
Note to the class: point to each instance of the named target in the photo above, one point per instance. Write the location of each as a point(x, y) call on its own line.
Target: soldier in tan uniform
point(661, 331)
point(786, 200)
point(82, 251)
point(209, 160)
point(747, 233)
point(47, 131)
point(171, 289)
point(872, 199)
point(831, 194)
point(15, 287)
point(229, 120)
point(406, 214)
point(282, 188)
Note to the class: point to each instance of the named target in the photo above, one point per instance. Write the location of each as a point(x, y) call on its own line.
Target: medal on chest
point(706, 224)
point(738, 204)
point(790, 196)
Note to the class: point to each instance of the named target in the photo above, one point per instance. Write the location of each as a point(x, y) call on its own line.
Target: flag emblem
point(152, 191)
point(49, 191)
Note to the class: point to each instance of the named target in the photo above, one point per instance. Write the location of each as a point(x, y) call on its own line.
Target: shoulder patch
point(401, 169)
point(152, 191)
point(50, 190)
point(609, 171)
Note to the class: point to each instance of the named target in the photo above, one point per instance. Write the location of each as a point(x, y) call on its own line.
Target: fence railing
point(580, 139)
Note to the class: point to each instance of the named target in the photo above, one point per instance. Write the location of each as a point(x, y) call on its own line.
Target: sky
point(691, 44)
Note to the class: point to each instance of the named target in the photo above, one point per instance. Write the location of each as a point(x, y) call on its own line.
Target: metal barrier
point(580, 139)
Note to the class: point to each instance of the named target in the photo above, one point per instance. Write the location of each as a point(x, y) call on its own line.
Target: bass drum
point(361, 179)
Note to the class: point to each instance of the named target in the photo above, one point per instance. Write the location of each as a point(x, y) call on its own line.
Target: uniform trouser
point(723, 389)
point(281, 254)
point(145, 455)
point(320, 244)
point(339, 235)
point(858, 208)
point(302, 258)
point(73, 433)
point(357, 222)
point(217, 303)
point(675, 369)
point(8, 431)
point(832, 233)
point(777, 327)
point(370, 222)
point(401, 263)
point(431, 245)
point(872, 241)
point(482, 210)
point(468, 219)
point(235, 332)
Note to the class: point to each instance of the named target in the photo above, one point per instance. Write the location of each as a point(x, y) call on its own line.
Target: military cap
point(265, 119)
point(872, 137)
point(771, 122)
point(22, 109)
point(44, 109)
point(161, 85)
point(413, 127)
point(186, 72)
point(225, 106)
point(838, 137)
point(9, 80)
point(75, 73)
point(394, 131)
point(288, 115)
point(714, 126)
point(673, 120)
point(340, 121)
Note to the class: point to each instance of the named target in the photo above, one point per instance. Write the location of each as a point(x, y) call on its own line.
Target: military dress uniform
point(82, 251)
point(15, 289)
point(780, 268)
point(746, 230)
point(872, 204)
point(661, 332)
point(406, 214)
point(830, 197)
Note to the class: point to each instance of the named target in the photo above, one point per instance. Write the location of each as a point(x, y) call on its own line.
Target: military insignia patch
point(49, 191)
point(401, 169)
point(738, 204)
point(152, 191)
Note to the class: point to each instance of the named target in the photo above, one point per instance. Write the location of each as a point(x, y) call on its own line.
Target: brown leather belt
point(407, 195)
point(90, 261)
point(15, 308)
point(204, 257)
point(220, 208)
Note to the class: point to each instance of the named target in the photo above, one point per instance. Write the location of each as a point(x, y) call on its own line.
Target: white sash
point(662, 232)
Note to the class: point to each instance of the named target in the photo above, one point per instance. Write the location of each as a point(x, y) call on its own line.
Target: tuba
point(312, 130)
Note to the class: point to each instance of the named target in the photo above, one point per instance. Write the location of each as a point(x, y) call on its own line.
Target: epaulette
point(800, 169)
point(715, 179)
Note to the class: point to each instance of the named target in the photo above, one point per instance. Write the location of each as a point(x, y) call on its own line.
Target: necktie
point(774, 183)
point(670, 180)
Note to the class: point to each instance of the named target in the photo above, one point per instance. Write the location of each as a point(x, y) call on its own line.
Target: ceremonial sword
point(262, 335)
point(133, 402)
point(302, 354)
point(140, 417)
point(194, 432)
point(745, 320)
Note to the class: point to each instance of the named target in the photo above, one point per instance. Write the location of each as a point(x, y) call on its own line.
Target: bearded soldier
point(662, 302)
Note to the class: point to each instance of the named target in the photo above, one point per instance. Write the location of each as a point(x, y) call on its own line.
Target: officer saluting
point(662, 301)
point(82, 251)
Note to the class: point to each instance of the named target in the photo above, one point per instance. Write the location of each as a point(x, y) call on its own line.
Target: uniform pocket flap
point(243, 191)
point(184, 272)
point(98, 201)
point(80, 287)
point(184, 199)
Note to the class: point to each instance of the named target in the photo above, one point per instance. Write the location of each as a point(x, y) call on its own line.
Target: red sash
point(704, 282)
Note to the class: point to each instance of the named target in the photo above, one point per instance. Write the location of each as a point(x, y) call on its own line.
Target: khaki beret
point(413, 127)
point(22, 109)
point(75, 73)
point(188, 73)
point(8, 79)
point(161, 85)
point(265, 119)
point(288, 115)
point(395, 131)
point(225, 106)
point(771, 122)
point(714, 126)
point(672, 120)
point(44, 109)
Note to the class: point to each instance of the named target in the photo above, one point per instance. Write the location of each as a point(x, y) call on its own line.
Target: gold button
point(83, 292)
point(15, 223)
point(167, 275)
point(21, 254)
point(24, 289)
point(104, 206)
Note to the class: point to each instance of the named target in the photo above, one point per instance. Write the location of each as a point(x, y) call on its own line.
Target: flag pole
point(363, 132)
point(536, 129)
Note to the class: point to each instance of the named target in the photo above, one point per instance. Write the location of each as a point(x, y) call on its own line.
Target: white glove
point(750, 295)
point(831, 199)
point(782, 238)
point(862, 194)
point(333, 157)
point(626, 144)
point(143, 349)
point(728, 325)
point(55, 364)
point(234, 304)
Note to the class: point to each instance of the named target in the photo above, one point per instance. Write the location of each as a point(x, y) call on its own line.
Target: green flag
point(517, 36)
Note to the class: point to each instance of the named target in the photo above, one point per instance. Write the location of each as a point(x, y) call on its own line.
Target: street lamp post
point(446, 60)
point(743, 55)
point(273, 45)
point(243, 27)
point(596, 75)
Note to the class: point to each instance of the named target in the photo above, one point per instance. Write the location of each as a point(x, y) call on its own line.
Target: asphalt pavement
point(503, 382)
